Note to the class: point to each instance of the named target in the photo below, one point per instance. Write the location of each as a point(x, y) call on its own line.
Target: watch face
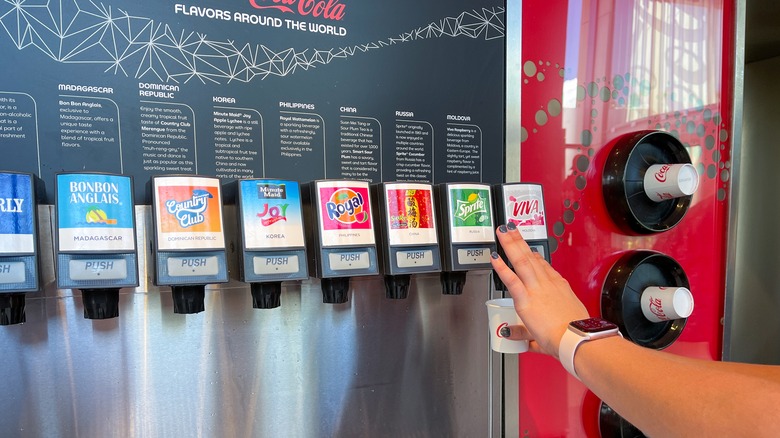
point(593, 325)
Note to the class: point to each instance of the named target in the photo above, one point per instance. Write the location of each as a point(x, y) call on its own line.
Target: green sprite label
point(470, 208)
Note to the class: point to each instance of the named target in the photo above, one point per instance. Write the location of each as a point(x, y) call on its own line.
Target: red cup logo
point(660, 176)
point(500, 326)
point(657, 308)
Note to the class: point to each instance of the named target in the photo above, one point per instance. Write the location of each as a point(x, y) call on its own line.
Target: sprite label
point(470, 208)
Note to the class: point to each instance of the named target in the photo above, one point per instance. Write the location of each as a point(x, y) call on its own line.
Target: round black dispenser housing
point(630, 207)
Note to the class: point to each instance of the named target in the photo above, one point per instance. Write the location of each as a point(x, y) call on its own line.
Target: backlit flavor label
point(345, 213)
point(471, 219)
point(189, 213)
point(16, 214)
point(524, 206)
point(271, 214)
point(95, 213)
point(410, 214)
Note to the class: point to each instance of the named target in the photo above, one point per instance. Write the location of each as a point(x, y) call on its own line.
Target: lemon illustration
point(96, 215)
point(472, 197)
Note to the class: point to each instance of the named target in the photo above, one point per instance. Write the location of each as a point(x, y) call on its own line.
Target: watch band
point(573, 337)
point(568, 347)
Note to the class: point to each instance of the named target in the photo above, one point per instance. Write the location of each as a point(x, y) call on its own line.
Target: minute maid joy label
point(271, 214)
point(95, 213)
point(188, 212)
point(471, 219)
point(16, 214)
point(345, 213)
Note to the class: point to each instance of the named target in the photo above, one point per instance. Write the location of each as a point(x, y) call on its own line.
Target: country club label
point(471, 219)
point(345, 213)
point(16, 214)
point(95, 213)
point(410, 214)
point(524, 206)
point(271, 214)
point(188, 213)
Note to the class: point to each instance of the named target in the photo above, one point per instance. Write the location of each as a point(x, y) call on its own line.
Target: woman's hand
point(543, 299)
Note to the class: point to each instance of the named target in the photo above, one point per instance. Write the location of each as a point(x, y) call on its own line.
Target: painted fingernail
point(511, 226)
point(505, 332)
point(494, 255)
point(502, 229)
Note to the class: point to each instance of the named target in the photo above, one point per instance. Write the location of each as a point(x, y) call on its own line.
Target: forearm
point(694, 398)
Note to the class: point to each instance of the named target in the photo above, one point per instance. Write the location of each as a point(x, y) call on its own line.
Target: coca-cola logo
point(328, 9)
point(660, 175)
point(657, 308)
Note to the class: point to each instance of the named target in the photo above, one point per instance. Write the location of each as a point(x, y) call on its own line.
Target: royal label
point(345, 213)
point(345, 208)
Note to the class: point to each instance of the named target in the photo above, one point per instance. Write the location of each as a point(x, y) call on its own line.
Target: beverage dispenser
point(407, 230)
point(270, 220)
point(95, 239)
point(522, 204)
point(340, 237)
point(19, 260)
point(189, 241)
point(467, 232)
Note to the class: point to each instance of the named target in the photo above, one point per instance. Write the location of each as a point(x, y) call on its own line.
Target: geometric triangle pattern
point(86, 32)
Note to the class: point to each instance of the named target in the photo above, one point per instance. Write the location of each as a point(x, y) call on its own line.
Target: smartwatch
point(581, 331)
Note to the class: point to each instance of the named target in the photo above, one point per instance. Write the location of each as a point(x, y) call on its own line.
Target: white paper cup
point(666, 303)
point(669, 181)
point(501, 313)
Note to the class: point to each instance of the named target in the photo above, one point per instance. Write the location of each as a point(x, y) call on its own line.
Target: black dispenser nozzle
point(397, 286)
point(100, 303)
point(266, 295)
point(188, 298)
point(335, 290)
point(452, 282)
point(12, 309)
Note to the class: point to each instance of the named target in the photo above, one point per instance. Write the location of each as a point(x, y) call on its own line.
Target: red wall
point(593, 70)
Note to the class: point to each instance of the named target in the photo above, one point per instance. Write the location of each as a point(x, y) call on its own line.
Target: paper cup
point(501, 313)
point(669, 181)
point(666, 303)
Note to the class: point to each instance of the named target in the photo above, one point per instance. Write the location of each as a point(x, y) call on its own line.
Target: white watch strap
point(567, 348)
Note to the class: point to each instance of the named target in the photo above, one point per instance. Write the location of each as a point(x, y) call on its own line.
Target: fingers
point(521, 333)
point(516, 333)
point(523, 260)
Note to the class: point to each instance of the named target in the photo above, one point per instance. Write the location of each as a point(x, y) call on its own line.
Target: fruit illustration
point(97, 216)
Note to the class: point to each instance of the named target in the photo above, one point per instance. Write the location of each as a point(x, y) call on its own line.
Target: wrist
point(579, 332)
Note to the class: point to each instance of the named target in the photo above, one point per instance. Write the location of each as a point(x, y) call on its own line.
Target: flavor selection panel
point(337, 89)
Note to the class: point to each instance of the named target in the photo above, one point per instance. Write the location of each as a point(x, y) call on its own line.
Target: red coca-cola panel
point(591, 72)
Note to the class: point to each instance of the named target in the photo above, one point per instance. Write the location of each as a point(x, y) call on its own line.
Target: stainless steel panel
point(376, 367)
point(751, 321)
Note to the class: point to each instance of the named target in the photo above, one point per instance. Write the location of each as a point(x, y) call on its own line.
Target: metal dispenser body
point(189, 241)
point(523, 205)
point(468, 228)
point(19, 259)
point(95, 238)
point(272, 243)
